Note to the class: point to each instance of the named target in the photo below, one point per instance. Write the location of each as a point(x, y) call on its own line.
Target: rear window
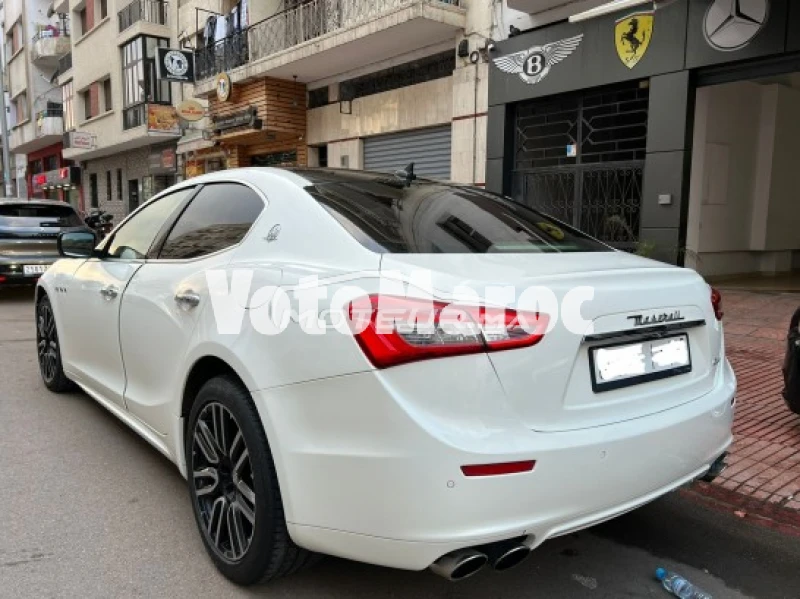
point(38, 215)
point(429, 218)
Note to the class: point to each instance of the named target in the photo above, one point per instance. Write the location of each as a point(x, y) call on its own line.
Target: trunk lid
point(549, 385)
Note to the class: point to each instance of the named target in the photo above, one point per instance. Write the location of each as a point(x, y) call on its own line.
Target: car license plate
point(622, 365)
point(34, 269)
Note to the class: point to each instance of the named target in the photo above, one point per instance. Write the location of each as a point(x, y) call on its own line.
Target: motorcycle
point(791, 365)
point(100, 222)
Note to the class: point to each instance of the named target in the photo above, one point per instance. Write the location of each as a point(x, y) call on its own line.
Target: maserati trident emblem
point(641, 320)
point(534, 64)
point(732, 24)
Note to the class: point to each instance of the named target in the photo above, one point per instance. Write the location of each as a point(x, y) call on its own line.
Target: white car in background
point(403, 448)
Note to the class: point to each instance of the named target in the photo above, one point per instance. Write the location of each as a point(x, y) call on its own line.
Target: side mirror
point(76, 244)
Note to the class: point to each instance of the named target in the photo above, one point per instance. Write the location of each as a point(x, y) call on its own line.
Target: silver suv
point(28, 237)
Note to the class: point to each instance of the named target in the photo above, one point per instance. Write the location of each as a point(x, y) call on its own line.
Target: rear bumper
point(365, 478)
point(13, 272)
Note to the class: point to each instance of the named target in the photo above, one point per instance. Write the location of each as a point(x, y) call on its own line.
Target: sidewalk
point(764, 463)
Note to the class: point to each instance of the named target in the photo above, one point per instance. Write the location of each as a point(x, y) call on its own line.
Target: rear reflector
point(2, 279)
point(395, 330)
point(716, 302)
point(498, 469)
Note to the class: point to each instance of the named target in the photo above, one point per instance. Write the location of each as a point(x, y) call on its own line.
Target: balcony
point(50, 43)
point(154, 12)
point(323, 38)
point(44, 129)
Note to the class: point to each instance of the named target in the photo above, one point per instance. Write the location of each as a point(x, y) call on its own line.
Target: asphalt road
point(87, 509)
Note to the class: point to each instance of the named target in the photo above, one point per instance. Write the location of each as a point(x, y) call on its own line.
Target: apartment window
point(139, 83)
point(86, 99)
point(103, 9)
point(119, 184)
point(21, 107)
point(93, 192)
point(107, 94)
point(83, 18)
point(67, 101)
point(108, 186)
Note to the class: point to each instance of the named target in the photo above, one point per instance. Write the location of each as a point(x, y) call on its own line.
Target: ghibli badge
point(534, 64)
point(641, 320)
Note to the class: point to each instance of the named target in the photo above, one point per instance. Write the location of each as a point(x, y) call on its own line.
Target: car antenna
point(407, 174)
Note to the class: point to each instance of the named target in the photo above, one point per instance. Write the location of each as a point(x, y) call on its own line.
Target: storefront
point(48, 161)
point(120, 183)
point(260, 123)
point(58, 184)
point(608, 124)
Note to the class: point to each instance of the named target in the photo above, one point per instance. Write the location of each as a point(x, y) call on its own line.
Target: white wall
point(744, 213)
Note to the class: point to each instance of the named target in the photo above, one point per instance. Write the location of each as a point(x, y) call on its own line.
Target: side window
point(219, 217)
point(134, 238)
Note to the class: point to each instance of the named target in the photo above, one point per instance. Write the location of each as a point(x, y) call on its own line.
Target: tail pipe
point(460, 564)
point(505, 555)
point(716, 469)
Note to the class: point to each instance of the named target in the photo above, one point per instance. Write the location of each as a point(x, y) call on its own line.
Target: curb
point(775, 517)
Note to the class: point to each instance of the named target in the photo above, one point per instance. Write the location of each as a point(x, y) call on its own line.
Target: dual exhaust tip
point(463, 563)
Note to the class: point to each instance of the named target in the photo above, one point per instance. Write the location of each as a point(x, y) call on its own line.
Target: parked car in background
point(791, 365)
point(403, 446)
point(28, 237)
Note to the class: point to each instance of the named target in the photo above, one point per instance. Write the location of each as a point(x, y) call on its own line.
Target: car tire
point(226, 488)
point(48, 349)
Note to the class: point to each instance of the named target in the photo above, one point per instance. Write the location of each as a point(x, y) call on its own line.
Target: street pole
point(4, 125)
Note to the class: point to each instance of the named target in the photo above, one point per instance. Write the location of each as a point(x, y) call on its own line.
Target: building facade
point(121, 125)
point(372, 84)
point(665, 131)
point(35, 39)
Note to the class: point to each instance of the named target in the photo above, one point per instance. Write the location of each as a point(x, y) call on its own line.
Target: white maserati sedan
point(238, 323)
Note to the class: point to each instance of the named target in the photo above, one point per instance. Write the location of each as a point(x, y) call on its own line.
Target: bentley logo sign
point(534, 64)
point(640, 320)
point(731, 24)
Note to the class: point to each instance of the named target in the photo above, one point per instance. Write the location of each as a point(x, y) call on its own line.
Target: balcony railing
point(47, 32)
point(152, 11)
point(65, 63)
point(292, 27)
point(50, 121)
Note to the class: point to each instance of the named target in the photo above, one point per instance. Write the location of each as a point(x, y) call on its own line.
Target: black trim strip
point(654, 332)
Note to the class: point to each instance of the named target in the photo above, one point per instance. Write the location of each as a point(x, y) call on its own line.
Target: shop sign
point(534, 64)
point(632, 35)
point(223, 87)
point(191, 110)
point(67, 177)
point(732, 25)
point(162, 119)
point(175, 65)
point(80, 140)
point(245, 118)
point(162, 161)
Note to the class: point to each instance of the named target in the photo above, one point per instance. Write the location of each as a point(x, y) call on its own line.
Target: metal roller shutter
point(428, 149)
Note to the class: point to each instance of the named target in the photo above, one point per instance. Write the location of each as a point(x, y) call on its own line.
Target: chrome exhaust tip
point(511, 557)
point(460, 564)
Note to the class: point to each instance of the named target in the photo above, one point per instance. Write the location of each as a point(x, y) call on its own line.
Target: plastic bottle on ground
point(679, 586)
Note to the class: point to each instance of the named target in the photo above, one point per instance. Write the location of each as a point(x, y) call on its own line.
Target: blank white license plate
point(35, 269)
point(622, 365)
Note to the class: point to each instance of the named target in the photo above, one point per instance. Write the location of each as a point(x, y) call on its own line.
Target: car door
point(90, 321)
point(165, 299)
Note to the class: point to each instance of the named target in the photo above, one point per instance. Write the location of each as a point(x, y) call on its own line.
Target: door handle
point(109, 293)
point(187, 299)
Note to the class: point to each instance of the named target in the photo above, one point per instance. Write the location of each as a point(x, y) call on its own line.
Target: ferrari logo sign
point(632, 35)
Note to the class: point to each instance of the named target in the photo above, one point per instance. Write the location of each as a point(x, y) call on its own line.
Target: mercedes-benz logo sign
point(732, 24)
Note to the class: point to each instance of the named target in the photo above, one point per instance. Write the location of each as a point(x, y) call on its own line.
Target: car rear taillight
point(716, 303)
point(395, 330)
